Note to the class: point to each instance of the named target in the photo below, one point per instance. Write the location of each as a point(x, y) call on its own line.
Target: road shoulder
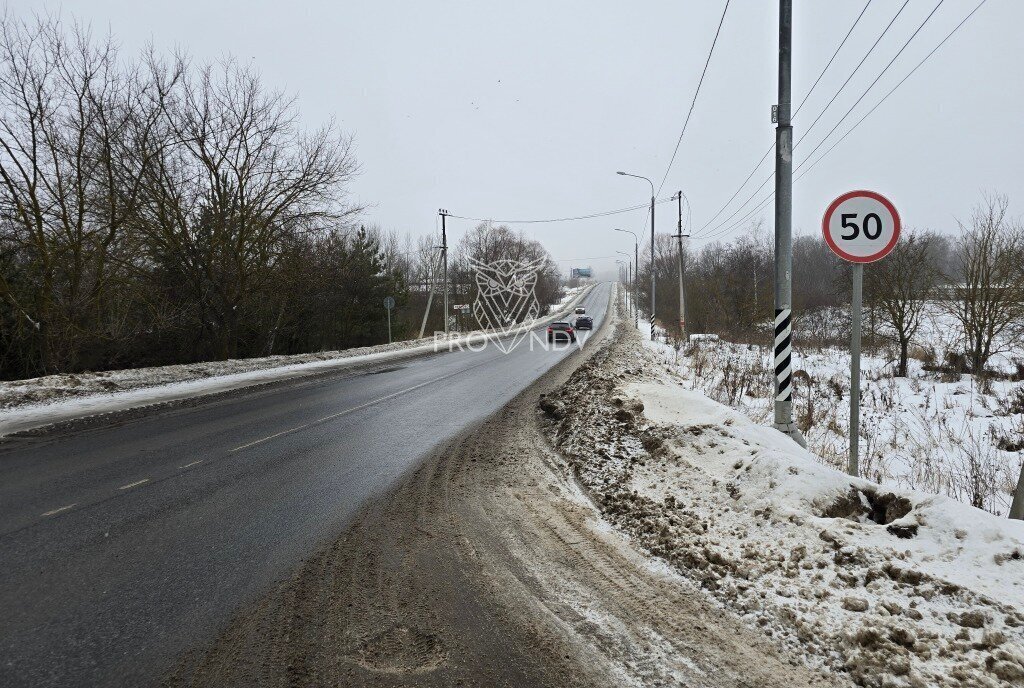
point(489, 566)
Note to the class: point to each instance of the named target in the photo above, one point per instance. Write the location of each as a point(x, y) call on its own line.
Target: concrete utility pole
point(629, 277)
point(430, 299)
point(784, 232)
point(444, 253)
point(682, 291)
point(636, 274)
point(653, 273)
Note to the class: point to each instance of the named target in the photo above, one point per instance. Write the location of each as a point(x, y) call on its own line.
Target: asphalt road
point(124, 546)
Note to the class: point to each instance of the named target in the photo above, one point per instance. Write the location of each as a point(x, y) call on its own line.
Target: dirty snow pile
point(895, 588)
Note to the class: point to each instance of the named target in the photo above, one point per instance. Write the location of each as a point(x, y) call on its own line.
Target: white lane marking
point(58, 510)
point(356, 408)
point(189, 465)
point(134, 484)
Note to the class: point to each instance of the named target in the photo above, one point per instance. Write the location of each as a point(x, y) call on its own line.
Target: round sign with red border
point(861, 226)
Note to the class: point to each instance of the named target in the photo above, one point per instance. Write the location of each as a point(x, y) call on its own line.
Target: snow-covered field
point(935, 431)
point(889, 587)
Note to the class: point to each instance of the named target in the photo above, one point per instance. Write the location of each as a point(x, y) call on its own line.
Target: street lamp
point(629, 277)
point(636, 272)
point(653, 302)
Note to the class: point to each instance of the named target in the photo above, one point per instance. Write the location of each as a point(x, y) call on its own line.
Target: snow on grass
point(938, 432)
point(56, 398)
point(891, 587)
point(568, 295)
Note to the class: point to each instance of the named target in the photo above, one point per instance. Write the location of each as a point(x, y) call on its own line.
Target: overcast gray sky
point(520, 110)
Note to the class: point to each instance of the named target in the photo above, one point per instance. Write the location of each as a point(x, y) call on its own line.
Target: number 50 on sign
point(861, 226)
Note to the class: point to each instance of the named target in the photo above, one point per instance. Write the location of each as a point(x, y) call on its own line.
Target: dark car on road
point(561, 330)
point(584, 322)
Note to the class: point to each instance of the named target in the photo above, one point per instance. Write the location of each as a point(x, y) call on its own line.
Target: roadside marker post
point(389, 303)
point(860, 227)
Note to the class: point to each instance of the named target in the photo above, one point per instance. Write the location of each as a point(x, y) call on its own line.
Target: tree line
point(156, 210)
point(975, 276)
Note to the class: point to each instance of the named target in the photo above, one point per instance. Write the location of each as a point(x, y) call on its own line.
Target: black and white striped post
point(784, 233)
point(783, 355)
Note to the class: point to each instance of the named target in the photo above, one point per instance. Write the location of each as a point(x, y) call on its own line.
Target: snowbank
point(33, 403)
point(934, 534)
point(894, 588)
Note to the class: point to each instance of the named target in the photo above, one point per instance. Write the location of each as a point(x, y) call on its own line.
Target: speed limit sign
point(861, 226)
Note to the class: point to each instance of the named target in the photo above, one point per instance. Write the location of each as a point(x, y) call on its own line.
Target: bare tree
point(900, 286)
point(66, 107)
point(487, 243)
point(74, 127)
point(238, 181)
point(987, 293)
point(147, 207)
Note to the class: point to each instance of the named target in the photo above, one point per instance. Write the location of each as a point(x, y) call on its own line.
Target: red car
point(561, 330)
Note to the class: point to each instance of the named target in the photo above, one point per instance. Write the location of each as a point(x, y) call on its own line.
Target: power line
point(798, 108)
point(759, 206)
point(872, 84)
point(808, 130)
point(891, 91)
point(763, 202)
point(695, 94)
point(821, 114)
point(605, 213)
point(856, 69)
point(831, 59)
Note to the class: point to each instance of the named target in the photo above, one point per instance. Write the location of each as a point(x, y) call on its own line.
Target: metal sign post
point(853, 466)
point(389, 303)
point(860, 227)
